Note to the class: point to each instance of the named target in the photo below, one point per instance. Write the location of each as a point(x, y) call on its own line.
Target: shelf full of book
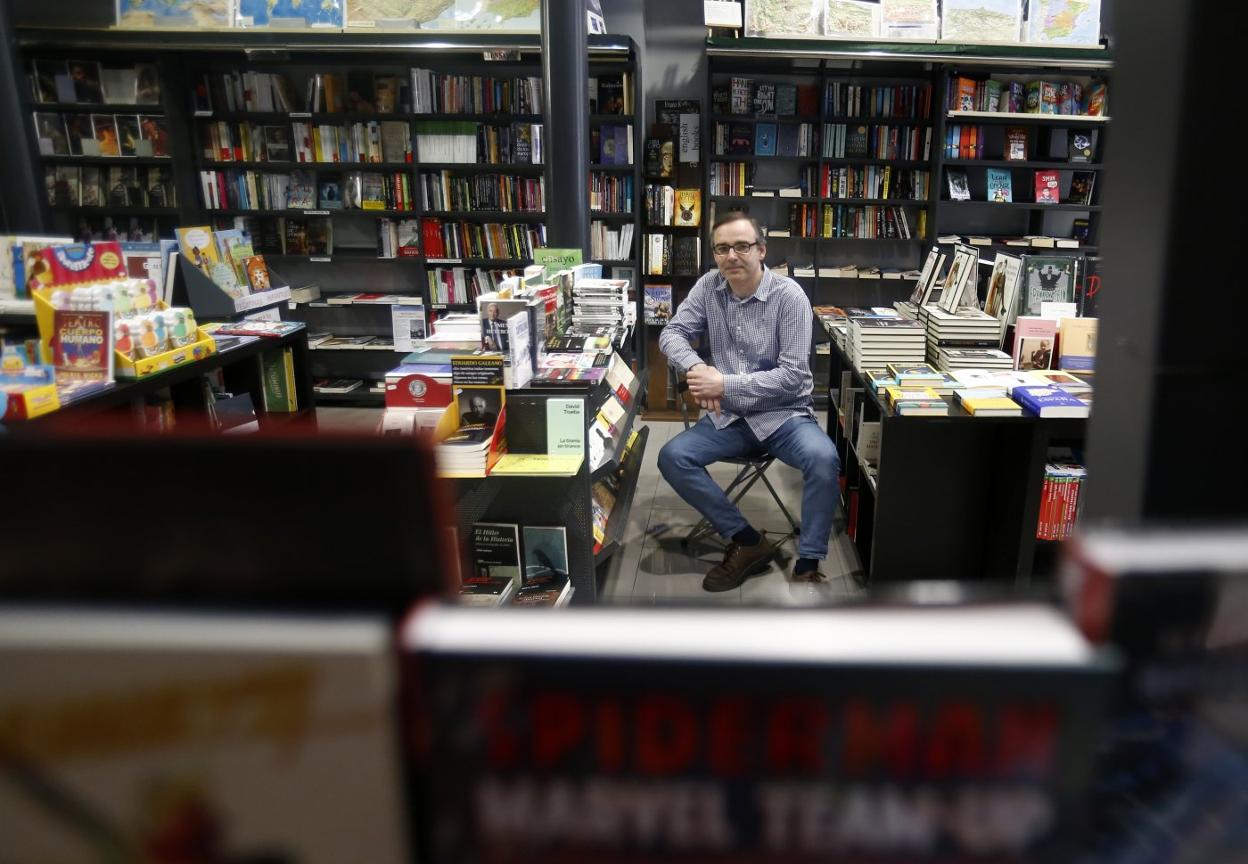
point(105, 144)
point(836, 167)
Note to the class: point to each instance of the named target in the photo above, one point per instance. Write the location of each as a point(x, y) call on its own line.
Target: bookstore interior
point(366, 297)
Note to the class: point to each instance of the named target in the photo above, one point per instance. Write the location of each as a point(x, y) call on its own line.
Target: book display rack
point(593, 504)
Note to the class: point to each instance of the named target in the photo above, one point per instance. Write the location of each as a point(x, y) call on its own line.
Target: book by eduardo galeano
point(910, 729)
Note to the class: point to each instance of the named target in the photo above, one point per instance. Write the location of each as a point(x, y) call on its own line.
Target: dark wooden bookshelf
point(1028, 165)
point(110, 161)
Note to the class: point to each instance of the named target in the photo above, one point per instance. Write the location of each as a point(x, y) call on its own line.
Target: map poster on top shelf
point(1064, 22)
point(141, 14)
point(513, 16)
point(851, 19)
point(981, 21)
point(282, 14)
point(909, 19)
point(784, 18)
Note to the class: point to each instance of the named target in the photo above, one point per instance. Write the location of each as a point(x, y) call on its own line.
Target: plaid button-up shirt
point(760, 344)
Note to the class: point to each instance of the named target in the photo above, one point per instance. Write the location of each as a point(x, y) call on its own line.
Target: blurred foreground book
point(147, 737)
point(867, 735)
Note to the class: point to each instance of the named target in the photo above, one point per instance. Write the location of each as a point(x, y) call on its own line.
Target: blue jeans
point(799, 442)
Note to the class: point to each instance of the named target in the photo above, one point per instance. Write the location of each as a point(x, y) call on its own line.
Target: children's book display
point(27, 390)
point(96, 323)
point(224, 277)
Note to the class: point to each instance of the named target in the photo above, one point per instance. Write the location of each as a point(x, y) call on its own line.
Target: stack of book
point(601, 302)
point(916, 402)
point(873, 343)
point(966, 328)
point(972, 358)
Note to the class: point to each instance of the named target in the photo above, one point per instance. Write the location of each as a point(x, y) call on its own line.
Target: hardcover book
point(495, 551)
point(1034, 341)
point(1081, 184)
point(999, 187)
point(1016, 143)
point(1049, 402)
point(1047, 278)
point(545, 555)
point(82, 345)
point(1048, 187)
point(764, 139)
point(688, 208)
point(959, 185)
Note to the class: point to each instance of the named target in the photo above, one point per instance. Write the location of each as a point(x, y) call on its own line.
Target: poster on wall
point(784, 18)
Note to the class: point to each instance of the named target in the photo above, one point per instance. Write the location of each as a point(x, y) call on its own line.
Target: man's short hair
point(739, 216)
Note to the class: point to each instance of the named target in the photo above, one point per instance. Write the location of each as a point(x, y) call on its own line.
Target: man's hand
point(706, 384)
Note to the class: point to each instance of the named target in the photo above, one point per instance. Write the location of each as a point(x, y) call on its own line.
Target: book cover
point(658, 304)
point(545, 555)
point(329, 193)
point(1049, 402)
point(104, 130)
point(257, 273)
point(1081, 184)
point(1034, 340)
point(959, 185)
point(1046, 278)
point(999, 186)
point(82, 345)
point(565, 426)
point(277, 391)
point(764, 139)
point(1048, 187)
point(1078, 344)
point(688, 208)
point(765, 98)
point(930, 674)
point(495, 551)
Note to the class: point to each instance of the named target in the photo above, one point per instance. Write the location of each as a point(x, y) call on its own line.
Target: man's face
point(478, 405)
point(739, 265)
point(493, 312)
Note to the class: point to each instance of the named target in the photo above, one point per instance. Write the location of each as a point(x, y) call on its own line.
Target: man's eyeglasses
point(722, 249)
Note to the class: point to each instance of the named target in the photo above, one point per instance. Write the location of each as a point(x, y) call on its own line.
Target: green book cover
point(565, 427)
point(276, 387)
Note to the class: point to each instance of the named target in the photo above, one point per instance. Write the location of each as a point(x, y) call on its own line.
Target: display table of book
point(946, 496)
point(242, 360)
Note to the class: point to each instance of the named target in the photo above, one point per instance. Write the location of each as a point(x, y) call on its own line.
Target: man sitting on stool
point(758, 394)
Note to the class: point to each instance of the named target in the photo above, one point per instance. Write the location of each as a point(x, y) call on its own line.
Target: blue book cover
point(765, 139)
point(788, 143)
point(260, 13)
point(999, 187)
point(1049, 402)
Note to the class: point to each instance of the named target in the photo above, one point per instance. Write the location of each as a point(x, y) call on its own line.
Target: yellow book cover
point(991, 405)
point(199, 246)
point(898, 394)
point(688, 208)
point(539, 464)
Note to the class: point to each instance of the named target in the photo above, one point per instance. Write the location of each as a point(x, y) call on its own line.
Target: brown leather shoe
point(810, 576)
point(739, 562)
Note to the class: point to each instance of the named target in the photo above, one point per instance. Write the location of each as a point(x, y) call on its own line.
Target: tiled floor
point(653, 568)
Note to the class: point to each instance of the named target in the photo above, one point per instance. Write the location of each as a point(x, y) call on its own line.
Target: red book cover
point(1048, 188)
point(82, 345)
point(851, 523)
